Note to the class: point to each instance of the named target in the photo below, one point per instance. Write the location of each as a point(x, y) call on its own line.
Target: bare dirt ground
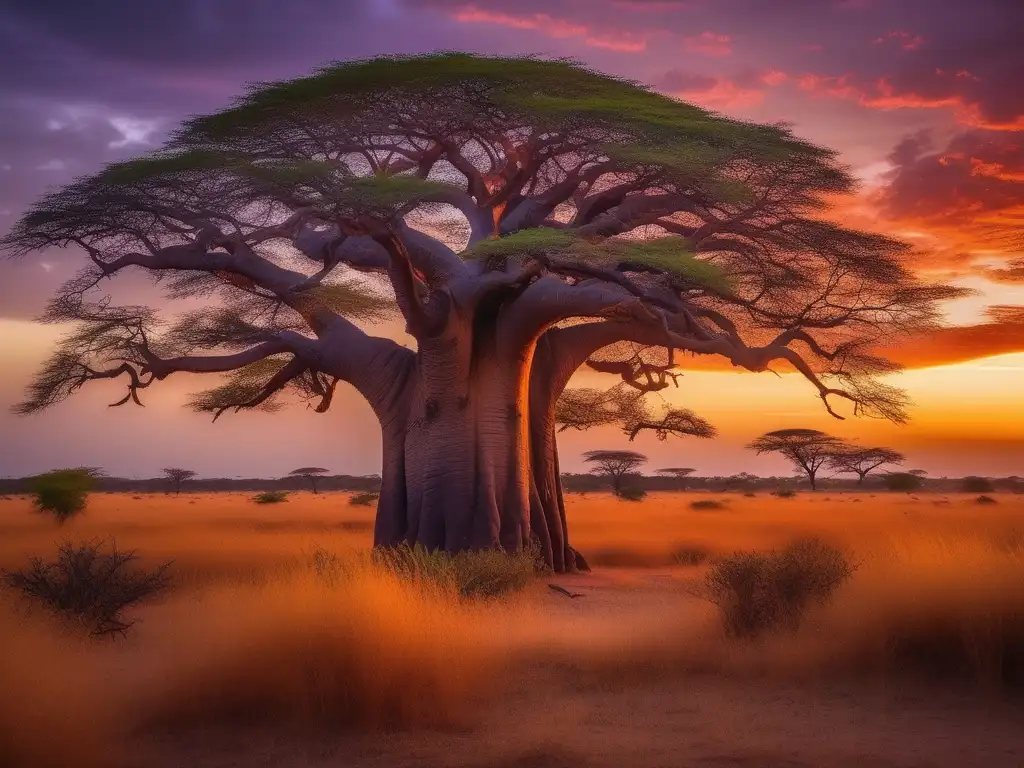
point(635, 672)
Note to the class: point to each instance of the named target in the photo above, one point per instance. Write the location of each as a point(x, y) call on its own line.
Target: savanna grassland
point(261, 655)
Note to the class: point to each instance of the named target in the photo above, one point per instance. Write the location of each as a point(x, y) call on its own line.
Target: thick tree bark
point(455, 466)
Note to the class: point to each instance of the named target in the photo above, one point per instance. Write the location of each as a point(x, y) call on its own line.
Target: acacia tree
point(522, 218)
point(807, 449)
point(679, 473)
point(310, 473)
point(616, 465)
point(178, 476)
point(862, 461)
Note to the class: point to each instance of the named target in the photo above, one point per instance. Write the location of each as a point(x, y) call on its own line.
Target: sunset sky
point(924, 100)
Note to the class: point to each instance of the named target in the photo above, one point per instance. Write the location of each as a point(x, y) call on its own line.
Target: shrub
point(976, 485)
point(632, 494)
point(690, 555)
point(270, 497)
point(62, 493)
point(902, 481)
point(762, 591)
point(985, 500)
point(487, 573)
point(89, 587)
point(784, 493)
point(707, 504)
point(364, 499)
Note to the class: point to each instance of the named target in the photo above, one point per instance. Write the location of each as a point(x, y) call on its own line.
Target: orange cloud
point(946, 92)
point(713, 92)
point(551, 26)
point(709, 43)
point(941, 347)
point(969, 193)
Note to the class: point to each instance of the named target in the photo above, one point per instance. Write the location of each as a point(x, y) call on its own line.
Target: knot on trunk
point(431, 408)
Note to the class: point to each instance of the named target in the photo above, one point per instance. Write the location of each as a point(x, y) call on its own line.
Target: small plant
point(784, 493)
point(364, 499)
point(631, 494)
point(707, 504)
point(985, 500)
point(327, 565)
point(270, 497)
point(762, 591)
point(690, 555)
point(89, 587)
point(62, 493)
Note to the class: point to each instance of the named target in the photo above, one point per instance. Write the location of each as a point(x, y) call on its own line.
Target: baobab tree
point(807, 449)
point(312, 474)
point(615, 465)
point(862, 461)
point(522, 218)
point(177, 476)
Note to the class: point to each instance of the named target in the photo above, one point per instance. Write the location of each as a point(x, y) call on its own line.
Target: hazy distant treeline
point(201, 485)
point(572, 483)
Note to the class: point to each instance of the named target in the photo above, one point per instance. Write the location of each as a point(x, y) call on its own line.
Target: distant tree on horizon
point(615, 464)
point(862, 461)
point(310, 473)
point(178, 476)
point(808, 449)
point(679, 473)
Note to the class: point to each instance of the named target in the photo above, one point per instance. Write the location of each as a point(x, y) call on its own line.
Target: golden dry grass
point(249, 633)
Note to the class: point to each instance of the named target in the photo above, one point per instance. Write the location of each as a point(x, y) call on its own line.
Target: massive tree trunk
point(470, 454)
point(456, 472)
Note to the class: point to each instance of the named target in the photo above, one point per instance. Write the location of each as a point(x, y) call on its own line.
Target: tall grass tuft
point(270, 497)
point(484, 574)
point(758, 592)
point(364, 499)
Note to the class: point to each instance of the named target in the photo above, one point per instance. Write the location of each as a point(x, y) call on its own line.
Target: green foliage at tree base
point(483, 574)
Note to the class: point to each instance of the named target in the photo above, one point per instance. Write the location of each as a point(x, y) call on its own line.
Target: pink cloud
point(773, 77)
point(905, 40)
point(551, 26)
point(709, 43)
